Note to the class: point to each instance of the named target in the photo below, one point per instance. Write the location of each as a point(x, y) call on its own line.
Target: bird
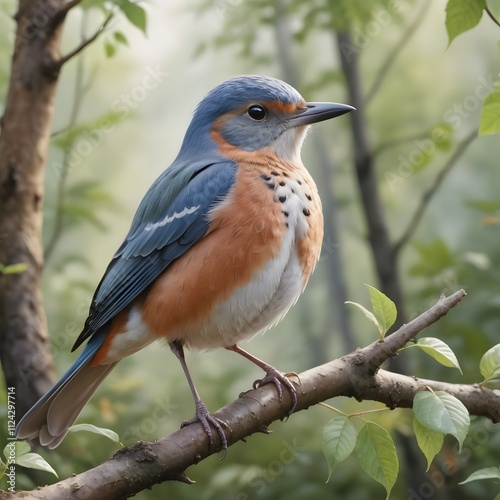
point(221, 246)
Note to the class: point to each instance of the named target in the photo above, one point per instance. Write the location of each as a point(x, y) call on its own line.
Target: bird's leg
point(202, 414)
point(272, 375)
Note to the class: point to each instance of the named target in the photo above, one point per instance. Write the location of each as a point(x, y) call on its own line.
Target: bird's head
point(254, 112)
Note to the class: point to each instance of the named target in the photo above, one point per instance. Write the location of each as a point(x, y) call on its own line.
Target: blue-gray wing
point(172, 217)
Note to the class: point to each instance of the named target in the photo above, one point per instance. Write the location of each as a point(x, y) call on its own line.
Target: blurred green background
point(146, 92)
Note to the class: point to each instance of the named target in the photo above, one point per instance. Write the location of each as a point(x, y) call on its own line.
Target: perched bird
point(222, 245)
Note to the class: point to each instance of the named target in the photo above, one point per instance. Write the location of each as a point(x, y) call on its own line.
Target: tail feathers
point(49, 419)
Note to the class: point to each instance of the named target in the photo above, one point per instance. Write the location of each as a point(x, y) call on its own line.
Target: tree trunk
point(24, 140)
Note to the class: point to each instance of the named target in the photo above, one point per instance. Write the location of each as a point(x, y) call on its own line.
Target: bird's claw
point(205, 418)
point(279, 380)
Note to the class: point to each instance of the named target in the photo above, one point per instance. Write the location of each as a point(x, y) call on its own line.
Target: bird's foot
point(280, 380)
point(204, 417)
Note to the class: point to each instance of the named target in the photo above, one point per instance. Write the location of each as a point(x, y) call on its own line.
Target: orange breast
point(246, 232)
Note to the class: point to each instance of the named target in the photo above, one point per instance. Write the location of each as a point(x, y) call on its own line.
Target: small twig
point(364, 412)
point(428, 195)
point(79, 93)
point(397, 141)
point(493, 18)
point(332, 408)
point(378, 352)
point(64, 59)
point(391, 57)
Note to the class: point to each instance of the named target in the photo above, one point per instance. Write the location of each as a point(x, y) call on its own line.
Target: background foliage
point(121, 113)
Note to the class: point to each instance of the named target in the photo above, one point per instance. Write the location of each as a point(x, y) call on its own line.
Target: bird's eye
point(256, 112)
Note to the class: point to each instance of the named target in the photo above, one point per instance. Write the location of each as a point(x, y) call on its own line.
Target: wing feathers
point(163, 229)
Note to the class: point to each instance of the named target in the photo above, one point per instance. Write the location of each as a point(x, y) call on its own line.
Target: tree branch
point(492, 17)
point(428, 195)
point(391, 57)
point(390, 143)
point(355, 375)
point(79, 94)
point(57, 65)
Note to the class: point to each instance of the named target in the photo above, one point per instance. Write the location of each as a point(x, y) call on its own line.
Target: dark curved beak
point(318, 112)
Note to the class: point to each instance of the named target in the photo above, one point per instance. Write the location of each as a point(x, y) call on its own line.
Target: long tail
point(49, 419)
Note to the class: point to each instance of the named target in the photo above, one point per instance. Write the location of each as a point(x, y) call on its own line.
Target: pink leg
point(202, 414)
point(272, 375)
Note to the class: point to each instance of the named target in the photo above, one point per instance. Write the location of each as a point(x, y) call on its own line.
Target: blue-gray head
point(252, 112)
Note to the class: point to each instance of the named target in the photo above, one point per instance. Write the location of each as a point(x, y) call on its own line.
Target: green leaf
point(339, 440)
point(429, 441)
point(442, 412)
point(134, 13)
point(377, 455)
point(22, 447)
point(485, 206)
point(435, 257)
point(97, 430)
point(442, 136)
point(489, 366)
point(438, 350)
point(490, 114)
point(367, 313)
point(462, 15)
point(110, 49)
point(120, 37)
point(35, 461)
point(383, 308)
point(486, 473)
point(3, 468)
point(13, 268)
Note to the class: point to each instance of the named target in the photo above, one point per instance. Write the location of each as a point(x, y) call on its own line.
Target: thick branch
point(429, 194)
point(378, 233)
point(355, 375)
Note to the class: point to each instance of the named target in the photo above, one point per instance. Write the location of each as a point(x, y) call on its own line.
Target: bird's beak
point(318, 112)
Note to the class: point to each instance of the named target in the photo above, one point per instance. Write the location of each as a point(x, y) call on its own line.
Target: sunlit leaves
point(442, 412)
point(134, 13)
point(13, 268)
point(437, 350)
point(384, 310)
point(108, 433)
point(339, 440)
point(109, 49)
point(486, 473)
point(428, 440)
point(18, 452)
point(377, 455)
point(490, 115)
point(462, 15)
point(489, 367)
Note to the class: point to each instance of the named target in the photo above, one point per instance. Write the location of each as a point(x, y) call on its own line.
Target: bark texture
point(24, 140)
